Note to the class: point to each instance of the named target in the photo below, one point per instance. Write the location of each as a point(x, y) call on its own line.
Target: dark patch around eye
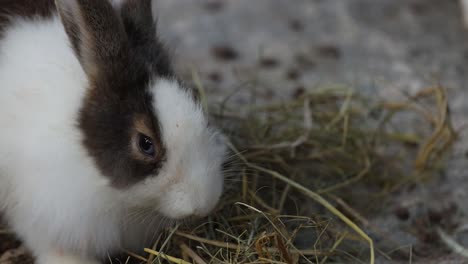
point(119, 95)
point(123, 156)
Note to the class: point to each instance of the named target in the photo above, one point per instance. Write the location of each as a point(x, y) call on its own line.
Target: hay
point(307, 172)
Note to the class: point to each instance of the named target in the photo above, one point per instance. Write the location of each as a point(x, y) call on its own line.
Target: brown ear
point(138, 20)
point(139, 12)
point(140, 26)
point(95, 31)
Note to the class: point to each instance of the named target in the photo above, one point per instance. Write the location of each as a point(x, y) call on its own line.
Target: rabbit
point(101, 144)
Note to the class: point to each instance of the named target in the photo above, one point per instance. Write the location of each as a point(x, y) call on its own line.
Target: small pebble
point(402, 213)
point(269, 62)
point(418, 8)
point(293, 74)
point(224, 53)
point(329, 51)
point(298, 91)
point(296, 25)
point(304, 61)
point(215, 77)
point(213, 6)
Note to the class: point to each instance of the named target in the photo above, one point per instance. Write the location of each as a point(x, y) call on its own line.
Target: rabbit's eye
point(146, 145)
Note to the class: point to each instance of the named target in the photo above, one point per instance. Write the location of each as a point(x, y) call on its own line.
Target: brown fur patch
point(111, 125)
point(143, 125)
point(127, 55)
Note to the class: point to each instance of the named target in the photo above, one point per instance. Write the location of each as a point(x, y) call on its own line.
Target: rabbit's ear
point(141, 28)
point(96, 32)
point(138, 14)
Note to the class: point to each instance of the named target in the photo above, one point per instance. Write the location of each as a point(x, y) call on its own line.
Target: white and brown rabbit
point(99, 142)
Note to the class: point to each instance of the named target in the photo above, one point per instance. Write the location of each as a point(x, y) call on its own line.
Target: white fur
point(191, 175)
point(54, 197)
point(51, 192)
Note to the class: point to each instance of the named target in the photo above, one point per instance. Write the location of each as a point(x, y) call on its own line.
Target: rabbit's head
point(145, 131)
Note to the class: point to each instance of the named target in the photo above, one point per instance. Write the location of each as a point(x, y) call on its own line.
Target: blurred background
point(389, 44)
point(386, 48)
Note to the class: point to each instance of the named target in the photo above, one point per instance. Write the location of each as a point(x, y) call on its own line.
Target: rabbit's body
point(34, 110)
point(60, 190)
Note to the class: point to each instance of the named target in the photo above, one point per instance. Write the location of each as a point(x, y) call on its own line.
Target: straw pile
point(305, 174)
